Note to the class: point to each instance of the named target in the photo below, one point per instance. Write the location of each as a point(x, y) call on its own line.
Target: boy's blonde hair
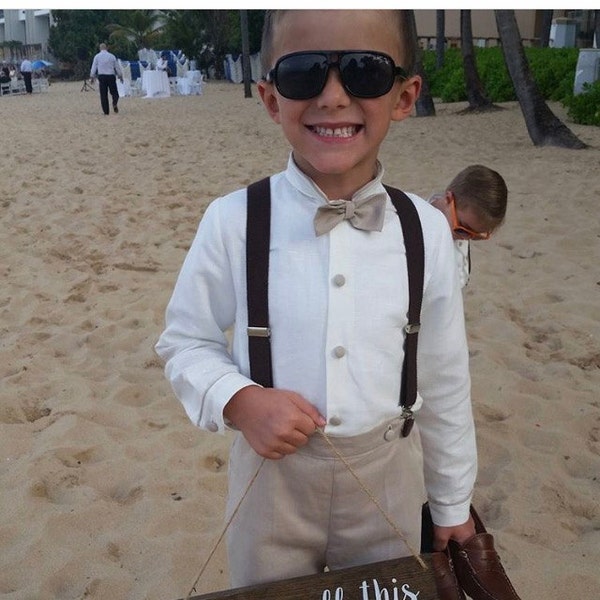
point(406, 39)
point(484, 191)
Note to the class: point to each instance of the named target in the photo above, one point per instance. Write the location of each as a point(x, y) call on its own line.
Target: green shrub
point(552, 68)
point(584, 108)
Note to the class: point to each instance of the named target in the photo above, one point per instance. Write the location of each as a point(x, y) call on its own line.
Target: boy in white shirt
point(474, 205)
point(338, 307)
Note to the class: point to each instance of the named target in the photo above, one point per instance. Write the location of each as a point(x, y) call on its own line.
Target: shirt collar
point(307, 187)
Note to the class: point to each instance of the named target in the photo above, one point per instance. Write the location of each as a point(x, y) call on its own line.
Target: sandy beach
point(108, 492)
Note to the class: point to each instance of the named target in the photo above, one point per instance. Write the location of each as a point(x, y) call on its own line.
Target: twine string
point(372, 497)
point(362, 485)
point(224, 530)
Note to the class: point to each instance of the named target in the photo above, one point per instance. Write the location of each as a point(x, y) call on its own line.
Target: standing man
point(26, 69)
point(106, 67)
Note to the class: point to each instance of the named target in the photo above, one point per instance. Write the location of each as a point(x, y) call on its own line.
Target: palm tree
point(546, 27)
point(186, 31)
point(424, 106)
point(478, 101)
point(440, 38)
point(142, 28)
point(247, 72)
point(545, 128)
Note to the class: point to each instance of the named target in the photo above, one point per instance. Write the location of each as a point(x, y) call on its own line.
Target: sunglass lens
point(367, 75)
point(301, 76)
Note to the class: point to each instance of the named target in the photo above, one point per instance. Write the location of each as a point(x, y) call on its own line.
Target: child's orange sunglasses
point(462, 231)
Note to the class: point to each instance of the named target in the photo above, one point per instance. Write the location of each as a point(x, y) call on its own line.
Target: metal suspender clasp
point(263, 332)
point(412, 327)
point(409, 421)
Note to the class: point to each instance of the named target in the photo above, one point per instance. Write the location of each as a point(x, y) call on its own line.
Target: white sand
point(108, 492)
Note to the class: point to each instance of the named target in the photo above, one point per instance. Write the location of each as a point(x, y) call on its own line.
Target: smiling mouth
point(337, 132)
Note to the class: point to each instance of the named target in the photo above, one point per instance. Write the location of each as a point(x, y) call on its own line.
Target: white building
point(30, 27)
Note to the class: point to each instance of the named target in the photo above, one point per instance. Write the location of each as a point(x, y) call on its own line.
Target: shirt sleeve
point(445, 418)
point(94, 68)
point(194, 344)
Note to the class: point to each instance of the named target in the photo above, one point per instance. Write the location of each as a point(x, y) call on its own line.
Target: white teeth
point(342, 132)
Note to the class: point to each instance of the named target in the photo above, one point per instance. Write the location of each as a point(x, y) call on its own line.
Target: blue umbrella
point(40, 64)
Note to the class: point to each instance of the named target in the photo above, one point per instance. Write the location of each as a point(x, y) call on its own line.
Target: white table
point(155, 84)
point(184, 86)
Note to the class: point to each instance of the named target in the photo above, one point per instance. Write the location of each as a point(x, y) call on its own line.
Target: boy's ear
point(269, 99)
point(407, 97)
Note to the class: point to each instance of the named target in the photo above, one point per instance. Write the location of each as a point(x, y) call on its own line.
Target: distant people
point(26, 71)
point(5, 75)
point(474, 204)
point(161, 64)
point(106, 68)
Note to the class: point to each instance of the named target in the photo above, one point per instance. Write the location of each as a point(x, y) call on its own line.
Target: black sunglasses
point(364, 74)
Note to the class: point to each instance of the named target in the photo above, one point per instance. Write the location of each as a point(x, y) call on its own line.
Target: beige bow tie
point(367, 214)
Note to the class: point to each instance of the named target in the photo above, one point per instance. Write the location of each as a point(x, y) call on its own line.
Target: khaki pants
point(307, 512)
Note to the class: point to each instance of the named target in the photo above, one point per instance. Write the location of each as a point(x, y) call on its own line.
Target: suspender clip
point(263, 332)
point(412, 328)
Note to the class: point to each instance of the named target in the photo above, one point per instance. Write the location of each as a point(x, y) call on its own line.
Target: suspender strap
point(415, 261)
point(258, 235)
point(258, 229)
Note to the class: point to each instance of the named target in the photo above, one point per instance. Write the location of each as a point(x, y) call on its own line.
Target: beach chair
point(5, 88)
point(17, 87)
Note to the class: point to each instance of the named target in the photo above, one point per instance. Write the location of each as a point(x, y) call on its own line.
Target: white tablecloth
point(194, 75)
point(184, 86)
point(155, 84)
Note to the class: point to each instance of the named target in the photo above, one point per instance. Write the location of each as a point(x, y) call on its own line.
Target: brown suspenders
point(258, 228)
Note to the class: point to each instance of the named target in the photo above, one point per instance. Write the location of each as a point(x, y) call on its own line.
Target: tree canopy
point(203, 35)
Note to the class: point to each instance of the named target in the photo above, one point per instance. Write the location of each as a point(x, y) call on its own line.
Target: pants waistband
point(385, 433)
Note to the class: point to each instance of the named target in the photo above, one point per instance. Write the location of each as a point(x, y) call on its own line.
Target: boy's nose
point(334, 92)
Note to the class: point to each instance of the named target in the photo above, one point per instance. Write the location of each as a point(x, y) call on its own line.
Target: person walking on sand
point(26, 70)
point(106, 67)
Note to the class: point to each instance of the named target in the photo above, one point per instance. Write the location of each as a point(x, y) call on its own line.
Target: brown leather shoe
point(445, 578)
point(478, 567)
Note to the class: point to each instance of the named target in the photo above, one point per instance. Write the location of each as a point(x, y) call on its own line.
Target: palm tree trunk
point(424, 106)
point(478, 101)
point(544, 127)
point(546, 26)
point(246, 71)
point(440, 38)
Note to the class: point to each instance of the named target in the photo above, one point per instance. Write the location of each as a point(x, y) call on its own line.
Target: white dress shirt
point(462, 250)
point(338, 305)
point(105, 63)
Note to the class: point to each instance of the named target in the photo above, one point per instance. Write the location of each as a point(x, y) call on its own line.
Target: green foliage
point(75, 35)
point(136, 29)
point(584, 108)
point(552, 68)
point(204, 35)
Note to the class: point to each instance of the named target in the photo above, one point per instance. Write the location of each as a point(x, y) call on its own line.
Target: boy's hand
point(274, 422)
point(458, 533)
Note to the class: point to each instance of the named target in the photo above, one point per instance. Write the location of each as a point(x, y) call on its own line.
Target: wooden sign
point(398, 579)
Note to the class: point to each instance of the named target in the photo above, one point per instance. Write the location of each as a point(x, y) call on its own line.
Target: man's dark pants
point(27, 80)
point(108, 83)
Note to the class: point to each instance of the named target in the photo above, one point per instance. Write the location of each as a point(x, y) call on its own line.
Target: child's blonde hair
point(406, 38)
point(484, 191)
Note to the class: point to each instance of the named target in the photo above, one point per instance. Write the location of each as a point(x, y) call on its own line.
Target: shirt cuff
point(450, 516)
point(218, 396)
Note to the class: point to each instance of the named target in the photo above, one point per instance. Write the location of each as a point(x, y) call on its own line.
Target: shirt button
point(212, 426)
point(339, 351)
point(335, 421)
point(339, 280)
